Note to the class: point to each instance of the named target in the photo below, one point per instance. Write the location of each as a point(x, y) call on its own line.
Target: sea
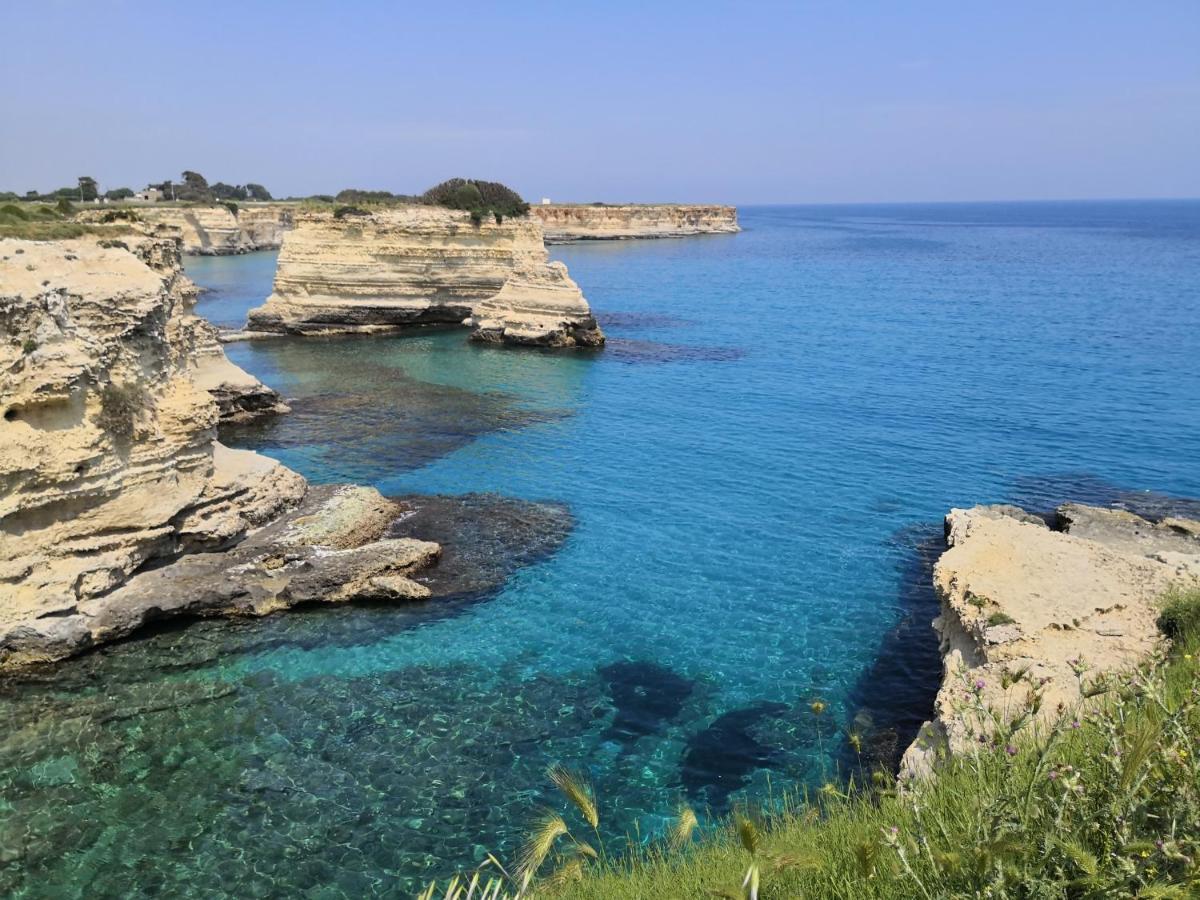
point(692, 566)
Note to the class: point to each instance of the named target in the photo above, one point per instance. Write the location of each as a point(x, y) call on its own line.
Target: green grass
point(1103, 804)
point(34, 222)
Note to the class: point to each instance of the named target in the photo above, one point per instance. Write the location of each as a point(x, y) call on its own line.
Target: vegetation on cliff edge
point(1104, 803)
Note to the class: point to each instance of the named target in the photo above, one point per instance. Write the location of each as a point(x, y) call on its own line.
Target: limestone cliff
point(568, 222)
point(421, 265)
point(1029, 610)
point(215, 230)
point(108, 462)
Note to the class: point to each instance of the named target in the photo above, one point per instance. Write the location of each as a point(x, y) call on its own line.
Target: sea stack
point(383, 270)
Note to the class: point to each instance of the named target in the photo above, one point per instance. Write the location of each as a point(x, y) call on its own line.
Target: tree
point(223, 191)
point(118, 194)
point(195, 188)
point(87, 188)
point(257, 192)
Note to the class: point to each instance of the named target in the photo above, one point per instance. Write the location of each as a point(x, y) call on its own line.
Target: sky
point(580, 101)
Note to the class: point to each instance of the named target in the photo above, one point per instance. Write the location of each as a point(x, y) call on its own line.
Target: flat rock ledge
point(1063, 606)
point(330, 548)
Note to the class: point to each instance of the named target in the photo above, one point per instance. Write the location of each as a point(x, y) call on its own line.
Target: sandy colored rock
point(563, 223)
point(266, 572)
point(215, 230)
point(107, 451)
point(1018, 597)
point(415, 265)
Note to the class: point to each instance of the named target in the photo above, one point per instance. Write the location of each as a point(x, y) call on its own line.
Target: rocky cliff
point(418, 266)
point(215, 230)
point(1034, 615)
point(564, 222)
point(108, 464)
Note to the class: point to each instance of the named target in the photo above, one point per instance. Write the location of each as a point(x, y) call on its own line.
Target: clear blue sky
point(688, 101)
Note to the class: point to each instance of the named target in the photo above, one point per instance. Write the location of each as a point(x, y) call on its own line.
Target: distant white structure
point(150, 195)
point(545, 201)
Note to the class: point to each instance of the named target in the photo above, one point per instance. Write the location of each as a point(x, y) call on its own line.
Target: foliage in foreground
point(1103, 804)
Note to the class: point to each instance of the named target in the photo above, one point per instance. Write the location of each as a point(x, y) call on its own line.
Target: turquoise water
point(730, 510)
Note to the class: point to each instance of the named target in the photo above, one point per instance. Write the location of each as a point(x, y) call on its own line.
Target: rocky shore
point(564, 223)
point(409, 266)
point(117, 505)
point(1031, 609)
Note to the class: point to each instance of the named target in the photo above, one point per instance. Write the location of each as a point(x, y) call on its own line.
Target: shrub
point(1000, 618)
point(120, 405)
point(355, 195)
point(231, 206)
point(342, 211)
point(477, 197)
point(119, 215)
point(28, 346)
point(1180, 615)
point(15, 212)
point(65, 207)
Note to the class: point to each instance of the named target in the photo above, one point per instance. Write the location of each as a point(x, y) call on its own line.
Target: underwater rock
point(485, 537)
point(647, 697)
point(720, 759)
point(394, 422)
point(628, 350)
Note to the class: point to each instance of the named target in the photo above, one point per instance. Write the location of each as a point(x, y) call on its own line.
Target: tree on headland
point(87, 188)
point(480, 198)
point(257, 192)
point(195, 188)
point(123, 193)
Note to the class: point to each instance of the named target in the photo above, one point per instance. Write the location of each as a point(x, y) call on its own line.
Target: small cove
point(727, 513)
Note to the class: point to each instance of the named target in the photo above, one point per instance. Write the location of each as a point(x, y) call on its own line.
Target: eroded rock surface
point(410, 266)
point(108, 464)
point(568, 222)
point(216, 230)
point(1062, 607)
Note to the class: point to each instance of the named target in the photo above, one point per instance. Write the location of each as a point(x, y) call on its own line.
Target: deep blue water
point(754, 469)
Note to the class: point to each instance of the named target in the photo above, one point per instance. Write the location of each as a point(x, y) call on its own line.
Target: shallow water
point(742, 496)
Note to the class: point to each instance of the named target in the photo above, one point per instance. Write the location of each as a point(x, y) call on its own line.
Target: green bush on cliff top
point(1105, 803)
point(480, 198)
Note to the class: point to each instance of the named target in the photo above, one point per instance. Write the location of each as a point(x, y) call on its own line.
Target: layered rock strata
point(216, 230)
point(411, 266)
point(1027, 611)
point(110, 477)
point(563, 223)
